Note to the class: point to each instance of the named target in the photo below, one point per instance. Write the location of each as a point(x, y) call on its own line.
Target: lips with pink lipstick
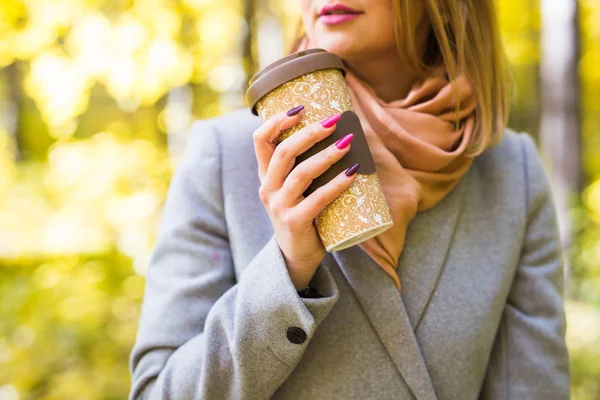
point(337, 14)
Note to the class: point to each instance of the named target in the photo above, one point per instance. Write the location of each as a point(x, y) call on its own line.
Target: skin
point(367, 44)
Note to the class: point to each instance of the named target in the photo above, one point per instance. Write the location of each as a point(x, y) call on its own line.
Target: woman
point(461, 299)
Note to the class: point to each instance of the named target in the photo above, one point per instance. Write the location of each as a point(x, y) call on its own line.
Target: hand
point(282, 185)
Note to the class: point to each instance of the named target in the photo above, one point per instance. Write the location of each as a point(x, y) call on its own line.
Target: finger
point(284, 156)
point(265, 134)
point(303, 175)
point(311, 206)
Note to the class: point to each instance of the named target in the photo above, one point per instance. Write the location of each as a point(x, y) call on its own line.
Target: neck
point(385, 74)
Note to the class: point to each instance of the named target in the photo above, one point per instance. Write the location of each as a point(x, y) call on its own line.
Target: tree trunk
point(12, 112)
point(248, 54)
point(560, 124)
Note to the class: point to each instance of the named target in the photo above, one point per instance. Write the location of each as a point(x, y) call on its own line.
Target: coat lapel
point(383, 306)
point(428, 240)
point(393, 316)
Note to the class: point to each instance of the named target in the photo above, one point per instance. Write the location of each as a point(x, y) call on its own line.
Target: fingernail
point(331, 121)
point(352, 170)
point(345, 141)
point(294, 111)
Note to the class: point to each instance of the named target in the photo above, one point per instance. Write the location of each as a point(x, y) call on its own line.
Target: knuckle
point(280, 123)
point(300, 175)
point(287, 219)
point(313, 201)
point(282, 152)
point(275, 211)
point(262, 193)
point(339, 184)
point(316, 199)
point(329, 157)
point(312, 132)
point(277, 205)
point(258, 135)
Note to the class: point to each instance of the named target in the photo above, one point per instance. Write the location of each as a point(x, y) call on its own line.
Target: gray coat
point(480, 316)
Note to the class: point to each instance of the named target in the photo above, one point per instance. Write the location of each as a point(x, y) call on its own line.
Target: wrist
point(301, 276)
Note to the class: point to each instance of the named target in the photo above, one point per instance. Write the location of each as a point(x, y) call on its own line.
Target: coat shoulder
point(509, 157)
point(512, 171)
point(236, 124)
point(229, 134)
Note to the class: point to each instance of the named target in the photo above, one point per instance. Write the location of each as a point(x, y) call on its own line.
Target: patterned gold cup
point(361, 211)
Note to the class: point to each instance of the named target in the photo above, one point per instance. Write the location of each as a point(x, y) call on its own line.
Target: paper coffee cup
point(315, 78)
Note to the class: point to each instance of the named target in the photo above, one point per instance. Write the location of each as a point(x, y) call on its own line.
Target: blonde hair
point(465, 36)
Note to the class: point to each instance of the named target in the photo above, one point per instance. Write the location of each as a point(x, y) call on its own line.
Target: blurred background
point(96, 98)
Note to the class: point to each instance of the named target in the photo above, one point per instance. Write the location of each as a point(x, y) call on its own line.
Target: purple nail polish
point(331, 121)
point(352, 170)
point(345, 141)
point(294, 111)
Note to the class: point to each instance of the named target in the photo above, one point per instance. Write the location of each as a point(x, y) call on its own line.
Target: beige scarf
point(418, 154)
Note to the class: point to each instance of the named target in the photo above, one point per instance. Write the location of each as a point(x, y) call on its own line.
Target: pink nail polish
point(331, 121)
point(345, 141)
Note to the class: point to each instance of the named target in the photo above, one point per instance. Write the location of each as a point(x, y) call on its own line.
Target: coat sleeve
point(529, 359)
point(203, 334)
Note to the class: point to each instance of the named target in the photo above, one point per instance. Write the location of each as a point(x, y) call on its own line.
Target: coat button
point(296, 335)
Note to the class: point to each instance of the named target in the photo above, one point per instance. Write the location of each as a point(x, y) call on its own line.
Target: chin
point(341, 44)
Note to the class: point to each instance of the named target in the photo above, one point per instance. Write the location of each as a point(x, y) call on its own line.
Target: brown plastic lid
point(288, 68)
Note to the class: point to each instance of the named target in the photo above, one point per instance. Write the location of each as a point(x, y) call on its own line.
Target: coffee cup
point(315, 79)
